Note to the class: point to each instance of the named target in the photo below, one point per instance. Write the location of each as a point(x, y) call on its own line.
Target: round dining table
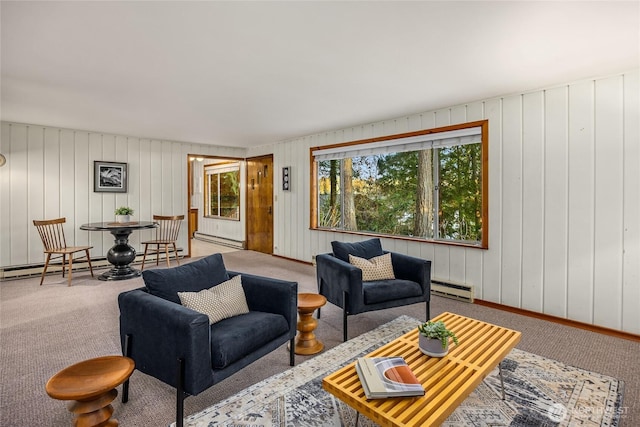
point(121, 255)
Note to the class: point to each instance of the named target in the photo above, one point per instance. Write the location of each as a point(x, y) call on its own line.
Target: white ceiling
point(253, 73)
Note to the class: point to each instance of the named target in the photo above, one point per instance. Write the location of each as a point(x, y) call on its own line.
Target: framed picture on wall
point(109, 177)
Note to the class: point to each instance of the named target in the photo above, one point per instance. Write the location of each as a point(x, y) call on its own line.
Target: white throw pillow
point(376, 268)
point(219, 302)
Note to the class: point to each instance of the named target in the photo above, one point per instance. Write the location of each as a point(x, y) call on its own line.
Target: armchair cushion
point(389, 290)
point(238, 336)
point(222, 301)
point(376, 268)
point(193, 277)
point(365, 249)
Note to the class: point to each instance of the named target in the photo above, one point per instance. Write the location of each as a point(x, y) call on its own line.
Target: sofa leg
point(127, 353)
point(180, 394)
point(428, 311)
point(292, 353)
point(345, 302)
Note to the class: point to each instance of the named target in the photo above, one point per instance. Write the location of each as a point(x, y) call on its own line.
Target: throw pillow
point(192, 277)
point(219, 302)
point(365, 249)
point(376, 268)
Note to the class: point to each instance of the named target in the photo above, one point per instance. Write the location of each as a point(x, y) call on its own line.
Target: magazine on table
point(383, 377)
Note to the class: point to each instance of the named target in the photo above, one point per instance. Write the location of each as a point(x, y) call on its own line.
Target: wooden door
point(260, 204)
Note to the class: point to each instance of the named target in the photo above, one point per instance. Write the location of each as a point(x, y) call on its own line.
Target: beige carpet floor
point(46, 328)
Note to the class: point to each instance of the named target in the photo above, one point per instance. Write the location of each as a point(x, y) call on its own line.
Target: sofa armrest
point(335, 277)
point(412, 268)
point(271, 295)
point(163, 331)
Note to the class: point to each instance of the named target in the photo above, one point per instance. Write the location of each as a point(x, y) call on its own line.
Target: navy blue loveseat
point(179, 347)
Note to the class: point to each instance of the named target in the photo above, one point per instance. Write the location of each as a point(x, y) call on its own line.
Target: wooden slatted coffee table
point(447, 380)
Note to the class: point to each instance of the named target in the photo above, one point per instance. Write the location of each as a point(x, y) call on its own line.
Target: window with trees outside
point(426, 185)
point(222, 190)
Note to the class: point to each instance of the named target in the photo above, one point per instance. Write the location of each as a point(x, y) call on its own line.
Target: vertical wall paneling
point(82, 167)
point(18, 197)
point(532, 200)
point(51, 173)
point(580, 222)
point(607, 295)
point(555, 202)
point(145, 209)
point(99, 240)
point(511, 200)
point(67, 176)
point(631, 226)
point(35, 189)
point(131, 154)
point(5, 191)
point(491, 260)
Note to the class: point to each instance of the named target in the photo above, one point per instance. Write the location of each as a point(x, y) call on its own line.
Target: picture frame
point(109, 177)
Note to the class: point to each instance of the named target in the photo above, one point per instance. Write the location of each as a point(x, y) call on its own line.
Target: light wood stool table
point(91, 386)
point(306, 341)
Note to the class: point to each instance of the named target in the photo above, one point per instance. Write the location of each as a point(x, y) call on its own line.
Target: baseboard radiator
point(24, 271)
point(448, 289)
point(237, 244)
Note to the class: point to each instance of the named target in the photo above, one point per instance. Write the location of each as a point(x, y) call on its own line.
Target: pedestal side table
point(306, 342)
point(90, 385)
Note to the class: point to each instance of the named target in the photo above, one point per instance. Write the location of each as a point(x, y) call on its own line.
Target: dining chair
point(52, 234)
point(166, 235)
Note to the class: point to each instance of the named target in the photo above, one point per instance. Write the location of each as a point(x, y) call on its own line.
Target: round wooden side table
point(91, 385)
point(306, 341)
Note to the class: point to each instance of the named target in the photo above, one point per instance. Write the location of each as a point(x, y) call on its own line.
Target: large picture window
point(222, 190)
point(428, 185)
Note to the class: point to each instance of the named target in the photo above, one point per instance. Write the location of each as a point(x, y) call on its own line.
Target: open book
point(383, 377)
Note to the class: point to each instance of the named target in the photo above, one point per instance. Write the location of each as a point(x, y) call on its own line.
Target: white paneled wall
point(564, 201)
point(564, 196)
point(49, 174)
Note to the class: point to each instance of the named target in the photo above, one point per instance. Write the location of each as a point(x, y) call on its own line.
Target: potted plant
point(434, 338)
point(123, 213)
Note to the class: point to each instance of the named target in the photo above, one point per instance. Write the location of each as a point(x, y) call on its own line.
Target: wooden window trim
point(483, 124)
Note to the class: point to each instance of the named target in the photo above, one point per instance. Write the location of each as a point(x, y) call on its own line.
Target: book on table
point(383, 377)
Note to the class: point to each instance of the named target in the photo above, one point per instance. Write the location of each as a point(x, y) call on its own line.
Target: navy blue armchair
point(341, 283)
point(179, 347)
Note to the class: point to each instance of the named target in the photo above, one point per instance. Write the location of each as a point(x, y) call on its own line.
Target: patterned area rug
point(540, 392)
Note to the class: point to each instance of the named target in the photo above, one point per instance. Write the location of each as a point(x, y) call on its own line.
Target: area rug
point(539, 391)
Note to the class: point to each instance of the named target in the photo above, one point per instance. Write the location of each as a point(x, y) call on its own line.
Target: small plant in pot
point(123, 214)
point(434, 338)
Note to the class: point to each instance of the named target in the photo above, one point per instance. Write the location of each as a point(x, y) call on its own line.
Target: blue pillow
point(193, 277)
point(366, 249)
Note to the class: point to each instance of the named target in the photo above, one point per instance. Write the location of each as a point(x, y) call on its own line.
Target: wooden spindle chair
point(166, 235)
point(52, 234)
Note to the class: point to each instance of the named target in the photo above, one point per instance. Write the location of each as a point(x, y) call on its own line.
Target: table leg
point(501, 380)
point(121, 255)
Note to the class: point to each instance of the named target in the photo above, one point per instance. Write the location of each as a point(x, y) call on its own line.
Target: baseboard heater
point(237, 244)
point(447, 289)
point(24, 271)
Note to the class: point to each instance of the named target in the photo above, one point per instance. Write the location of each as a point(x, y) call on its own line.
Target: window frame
point(484, 129)
point(223, 168)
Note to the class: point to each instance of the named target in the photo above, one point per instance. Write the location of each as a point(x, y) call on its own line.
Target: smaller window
point(222, 190)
